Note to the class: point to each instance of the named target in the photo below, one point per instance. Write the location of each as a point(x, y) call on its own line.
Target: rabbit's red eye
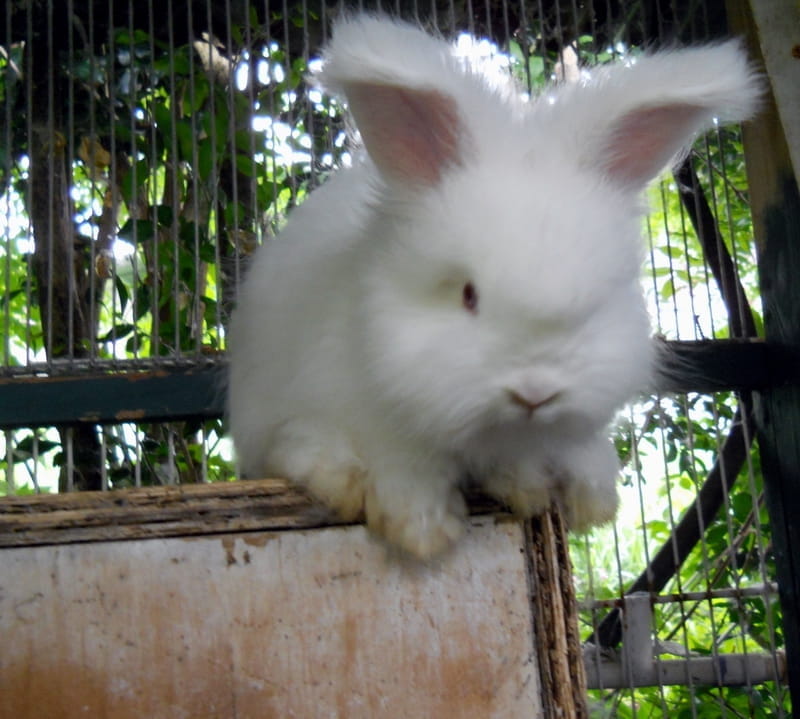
point(469, 298)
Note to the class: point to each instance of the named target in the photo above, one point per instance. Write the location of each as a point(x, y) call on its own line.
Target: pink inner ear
point(645, 140)
point(411, 134)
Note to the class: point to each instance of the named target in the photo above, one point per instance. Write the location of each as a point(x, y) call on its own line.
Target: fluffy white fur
point(357, 370)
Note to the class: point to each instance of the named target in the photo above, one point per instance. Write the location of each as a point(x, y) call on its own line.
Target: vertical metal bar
point(153, 269)
point(76, 334)
point(637, 642)
point(35, 459)
point(172, 466)
point(10, 481)
point(193, 191)
point(139, 451)
point(112, 194)
point(133, 200)
point(174, 167)
point(28, 75)
point(6, 171)
point(202, 439)
point(69, 457)
point(103, 463)
point(51, 191)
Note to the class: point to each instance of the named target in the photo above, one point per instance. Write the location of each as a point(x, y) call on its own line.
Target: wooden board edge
point(170, 511)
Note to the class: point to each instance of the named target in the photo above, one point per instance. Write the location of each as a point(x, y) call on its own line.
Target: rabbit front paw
point(587, 485)
point(526, 489)
point(421, 526)
point(340, 488)
point(323, 461)
point(588, 502)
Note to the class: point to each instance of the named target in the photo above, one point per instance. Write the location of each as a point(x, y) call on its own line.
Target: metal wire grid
point(707, 609)
point(155, 187)
point(103, 79)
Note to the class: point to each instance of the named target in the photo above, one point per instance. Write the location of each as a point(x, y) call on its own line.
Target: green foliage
point(763, 702)
point(680, 276)
point(183, 161)
point(669, 447)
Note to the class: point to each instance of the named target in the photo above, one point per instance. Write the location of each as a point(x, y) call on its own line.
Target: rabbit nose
point(530, 401)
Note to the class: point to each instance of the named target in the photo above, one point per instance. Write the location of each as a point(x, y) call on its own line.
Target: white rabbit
point(465, 299)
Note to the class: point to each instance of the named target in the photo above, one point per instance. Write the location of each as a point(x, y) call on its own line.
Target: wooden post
point(769, 26)
point(561, 665)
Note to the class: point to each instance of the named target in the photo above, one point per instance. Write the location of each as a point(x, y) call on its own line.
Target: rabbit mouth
point(531, 403)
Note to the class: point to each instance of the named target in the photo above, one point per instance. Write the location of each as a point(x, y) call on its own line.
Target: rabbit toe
point(526, 492)
point(587, 486)
point(422, 532)
point(341, 489)
point(588, 505)
point(320, 458)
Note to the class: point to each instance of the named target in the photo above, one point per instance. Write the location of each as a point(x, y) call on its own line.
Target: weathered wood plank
point(554, 608)
point(777, 23)
point(247, 505)
point(156, 511)
point(289, 624)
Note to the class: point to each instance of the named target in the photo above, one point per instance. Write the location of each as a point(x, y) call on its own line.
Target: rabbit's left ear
point(411, 134)
point(401, 86)
point(641, 143)
point(635, 119)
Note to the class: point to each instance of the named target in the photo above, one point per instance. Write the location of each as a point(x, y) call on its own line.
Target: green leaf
point(163, 117)
point(221, 123)
point(122, 292)
point(246, 166)
point(205, 159)
point(117, 332)
point(164, 215)
point(196, 94)
point(742, 505)
point(133, 180)
point(186, 139)
point(135, 231)
point(24, 449)
point(244, 141)
point(536, 68)
point(5, 300)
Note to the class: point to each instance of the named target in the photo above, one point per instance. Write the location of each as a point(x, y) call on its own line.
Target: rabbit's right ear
point(395, 79)
point(412, 135)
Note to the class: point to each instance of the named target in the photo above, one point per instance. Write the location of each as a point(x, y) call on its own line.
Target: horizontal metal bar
point(179, 392)
point(758, 590)
point(74, 366)
point(638, 664)
point(722, 670)
point(158, 395)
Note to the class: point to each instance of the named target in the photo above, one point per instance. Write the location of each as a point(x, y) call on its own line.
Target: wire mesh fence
point(147, 148)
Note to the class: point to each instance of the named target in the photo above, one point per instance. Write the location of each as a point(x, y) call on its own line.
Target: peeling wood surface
point(554, 611)
point(771, 142)
point(181, 510)
point(157, 512)
point(269, 624)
